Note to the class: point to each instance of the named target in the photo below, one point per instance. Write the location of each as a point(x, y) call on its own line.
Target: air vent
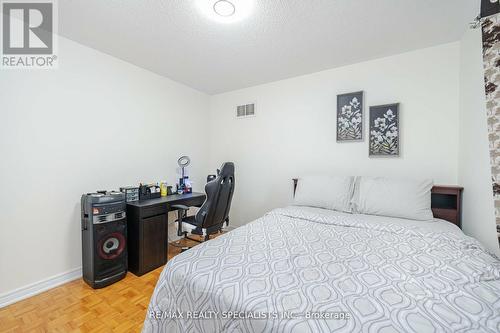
point(247, 110)
point(118, 216)
point(102, 218)
point(240, 111)
point(250, 110)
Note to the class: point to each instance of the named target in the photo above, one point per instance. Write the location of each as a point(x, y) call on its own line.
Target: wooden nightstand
point(446, 203)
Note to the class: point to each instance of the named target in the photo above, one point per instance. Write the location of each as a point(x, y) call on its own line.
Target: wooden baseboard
point(39, 287)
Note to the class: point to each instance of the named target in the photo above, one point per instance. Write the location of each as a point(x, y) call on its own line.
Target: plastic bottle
point(163, 189)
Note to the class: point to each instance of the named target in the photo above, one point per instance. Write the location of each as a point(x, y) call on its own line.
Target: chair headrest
point(227, 169)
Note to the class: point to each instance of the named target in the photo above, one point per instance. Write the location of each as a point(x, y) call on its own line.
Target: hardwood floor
point(75, 307)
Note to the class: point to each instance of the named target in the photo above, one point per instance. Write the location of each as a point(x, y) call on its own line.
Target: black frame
point(394, 106)
point(360, 95)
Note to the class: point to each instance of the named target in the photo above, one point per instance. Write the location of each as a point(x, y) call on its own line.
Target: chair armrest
point(181, 214)
point(179, 207)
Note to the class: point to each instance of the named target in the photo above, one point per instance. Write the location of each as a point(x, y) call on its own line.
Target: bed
point(305, 269)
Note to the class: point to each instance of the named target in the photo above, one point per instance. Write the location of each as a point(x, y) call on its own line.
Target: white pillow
point(409, 199)
point(328, 192)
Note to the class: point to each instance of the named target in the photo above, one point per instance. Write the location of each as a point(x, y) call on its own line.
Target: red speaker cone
point(111, 246)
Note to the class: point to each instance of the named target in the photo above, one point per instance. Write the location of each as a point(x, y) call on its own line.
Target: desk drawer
point(194, 202)
point(153, 210)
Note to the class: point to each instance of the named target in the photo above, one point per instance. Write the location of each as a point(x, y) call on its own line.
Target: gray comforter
point(306, 270)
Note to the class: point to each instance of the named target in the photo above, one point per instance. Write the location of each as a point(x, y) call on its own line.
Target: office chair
point(215, 210)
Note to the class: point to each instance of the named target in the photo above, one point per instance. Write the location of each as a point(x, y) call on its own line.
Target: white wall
point(474, 160)
point(94, 123)
point(293, 132)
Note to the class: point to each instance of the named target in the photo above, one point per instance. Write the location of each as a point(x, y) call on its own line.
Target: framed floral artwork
point(350, 117)
point(384, 130)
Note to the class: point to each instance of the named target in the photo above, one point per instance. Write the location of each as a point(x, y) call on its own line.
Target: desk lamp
point(183, 162)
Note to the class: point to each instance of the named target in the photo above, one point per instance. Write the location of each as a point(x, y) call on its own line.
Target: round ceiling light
point(226, 11)
point(224, 8)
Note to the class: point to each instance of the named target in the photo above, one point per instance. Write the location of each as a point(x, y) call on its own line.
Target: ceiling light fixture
point(224, 8)
point(225, 11)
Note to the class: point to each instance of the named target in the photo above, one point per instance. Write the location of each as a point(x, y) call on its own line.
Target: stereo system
point(104, 238)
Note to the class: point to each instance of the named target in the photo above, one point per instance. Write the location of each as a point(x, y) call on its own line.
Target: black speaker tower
point(104, 238)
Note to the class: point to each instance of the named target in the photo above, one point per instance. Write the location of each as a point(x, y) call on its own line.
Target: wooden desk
point(147, 230)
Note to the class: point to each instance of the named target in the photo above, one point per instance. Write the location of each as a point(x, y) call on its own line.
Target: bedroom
point(129, 87)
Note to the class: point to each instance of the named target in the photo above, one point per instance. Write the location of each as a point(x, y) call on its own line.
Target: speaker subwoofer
point(111, 246)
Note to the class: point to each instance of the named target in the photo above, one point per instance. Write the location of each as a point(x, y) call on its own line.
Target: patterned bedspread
point(299, 270)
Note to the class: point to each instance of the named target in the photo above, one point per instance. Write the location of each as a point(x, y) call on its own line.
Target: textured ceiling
point(279, 39)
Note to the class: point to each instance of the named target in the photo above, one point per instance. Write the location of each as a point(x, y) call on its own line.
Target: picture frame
point(384, 132)
point(350, 117)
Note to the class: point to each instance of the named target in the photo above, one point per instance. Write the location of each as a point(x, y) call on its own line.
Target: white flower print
point(385, 134)
point(354, 103)
point(349, 122)
point(389, 115)
point(347, 110)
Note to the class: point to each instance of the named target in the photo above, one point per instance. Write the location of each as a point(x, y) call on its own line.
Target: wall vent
point(247, 110)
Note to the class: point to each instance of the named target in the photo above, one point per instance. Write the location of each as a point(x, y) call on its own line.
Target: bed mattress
point(300, 269)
